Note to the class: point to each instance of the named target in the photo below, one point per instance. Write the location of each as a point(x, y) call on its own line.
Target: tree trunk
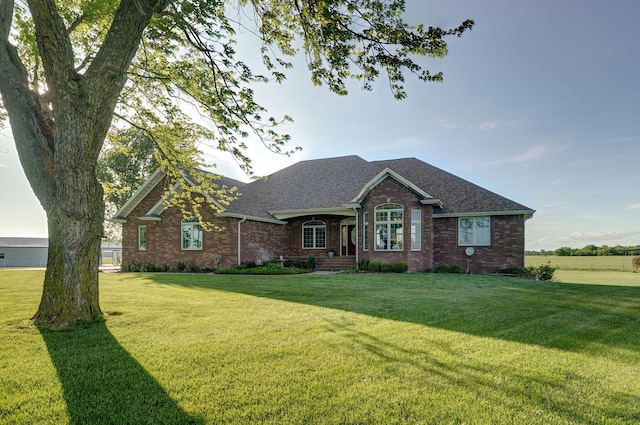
point(70, 293)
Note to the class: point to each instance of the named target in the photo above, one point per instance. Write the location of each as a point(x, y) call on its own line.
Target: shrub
point(515, 270)
point(544, 271)
point(449, 268)
point(181, 266)
point(132, 266)
point(400, 267)
point(429, 270)
point(363, 264)
point(193, 268)
point(374, 266)
point(635, 262)
point(386, 268)
point(311, 262)
point(164, 267)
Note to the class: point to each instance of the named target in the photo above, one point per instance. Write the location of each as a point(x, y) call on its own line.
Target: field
point(617, 263)
point(326, 349)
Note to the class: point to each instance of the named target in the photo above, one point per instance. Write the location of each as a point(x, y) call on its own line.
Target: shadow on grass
point(565, 316)
point(103, 384)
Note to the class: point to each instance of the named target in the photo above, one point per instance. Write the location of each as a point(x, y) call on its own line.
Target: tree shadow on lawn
point(103, 384)
point(565, 316)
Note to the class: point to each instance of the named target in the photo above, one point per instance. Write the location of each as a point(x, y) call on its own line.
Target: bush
point(374, 266)
point(449, 268)
point(193, 268)
point(515, 270)
point(181, 266)
point(311, 262)
point(635, 262)
point(363, 264)
point(400, 267)
point(386, 268)
point(543, 272)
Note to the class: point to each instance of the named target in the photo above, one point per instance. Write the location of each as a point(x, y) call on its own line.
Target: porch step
point(327, 264)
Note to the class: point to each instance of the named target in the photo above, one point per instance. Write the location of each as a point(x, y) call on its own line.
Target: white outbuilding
point(23, 252)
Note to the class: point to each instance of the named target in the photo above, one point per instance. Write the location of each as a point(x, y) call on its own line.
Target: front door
point(348, 239)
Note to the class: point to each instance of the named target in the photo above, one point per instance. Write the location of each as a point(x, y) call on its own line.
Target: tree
point(75, 70)
point(126, 161)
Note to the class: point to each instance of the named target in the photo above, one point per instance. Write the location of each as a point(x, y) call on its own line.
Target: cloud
point(447, 124)
point(634, 206)
point(493, 125)
point(579, 240)
point(533, 153)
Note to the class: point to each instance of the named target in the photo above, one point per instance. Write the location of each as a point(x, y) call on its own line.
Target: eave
point(527, 213)
point(285, 214)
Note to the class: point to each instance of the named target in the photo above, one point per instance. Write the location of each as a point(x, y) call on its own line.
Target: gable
point(425, 198)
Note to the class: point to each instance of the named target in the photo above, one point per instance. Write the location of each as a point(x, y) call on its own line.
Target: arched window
point(389, 227)
point(314, 234)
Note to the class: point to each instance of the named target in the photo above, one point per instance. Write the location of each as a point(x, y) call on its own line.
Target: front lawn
point(325, 349)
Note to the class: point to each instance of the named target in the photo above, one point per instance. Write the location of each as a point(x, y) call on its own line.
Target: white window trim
point(314, 227)
point(365, 231)
point(192, 223)
point(416, 223)
point(475, 221)
point(146, 238)
point(387, 223)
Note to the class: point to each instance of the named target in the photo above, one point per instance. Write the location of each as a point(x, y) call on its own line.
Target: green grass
point(326, 349)
point(619, 263)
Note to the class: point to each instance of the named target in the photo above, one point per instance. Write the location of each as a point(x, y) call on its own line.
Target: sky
point(540, 104)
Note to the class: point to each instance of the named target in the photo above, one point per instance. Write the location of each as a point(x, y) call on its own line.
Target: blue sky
point(541, 104)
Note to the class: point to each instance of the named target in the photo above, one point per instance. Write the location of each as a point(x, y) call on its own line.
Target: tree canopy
point(77, 70)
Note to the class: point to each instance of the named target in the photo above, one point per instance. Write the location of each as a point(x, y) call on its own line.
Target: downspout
point(240, 239)
point(357, 234)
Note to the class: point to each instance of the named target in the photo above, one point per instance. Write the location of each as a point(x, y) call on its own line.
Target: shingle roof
point(334, 182)
point(457, 195)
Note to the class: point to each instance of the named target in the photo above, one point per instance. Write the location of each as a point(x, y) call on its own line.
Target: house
point(400, 210)
point(23, 252)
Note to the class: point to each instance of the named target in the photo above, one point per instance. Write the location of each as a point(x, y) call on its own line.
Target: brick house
point(386, 211)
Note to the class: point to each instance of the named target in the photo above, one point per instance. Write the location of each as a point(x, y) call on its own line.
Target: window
point(416, 230)
point(191, 235)
point(142, 238)
point(365, 231)
point(474, 231)
point(389, 232)
point(314, 234)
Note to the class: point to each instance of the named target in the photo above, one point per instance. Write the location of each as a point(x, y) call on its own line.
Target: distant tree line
point(590, 250)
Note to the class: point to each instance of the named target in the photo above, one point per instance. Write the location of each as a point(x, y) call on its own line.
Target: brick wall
point(390, 191)
point(506, 249)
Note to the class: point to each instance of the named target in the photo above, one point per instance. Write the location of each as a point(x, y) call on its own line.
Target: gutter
point(240, 239)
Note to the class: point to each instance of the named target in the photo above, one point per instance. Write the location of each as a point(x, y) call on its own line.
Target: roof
point(337, 185)
point(24, 243)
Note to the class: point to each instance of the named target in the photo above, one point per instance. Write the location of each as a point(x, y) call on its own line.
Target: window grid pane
point(416, 230)
point(474, 231)
point(314, 234)
point(365, 231)
point(142, 238)
point(389, 227)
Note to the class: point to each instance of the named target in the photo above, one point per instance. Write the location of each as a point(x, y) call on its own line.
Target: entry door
point(348, 239)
